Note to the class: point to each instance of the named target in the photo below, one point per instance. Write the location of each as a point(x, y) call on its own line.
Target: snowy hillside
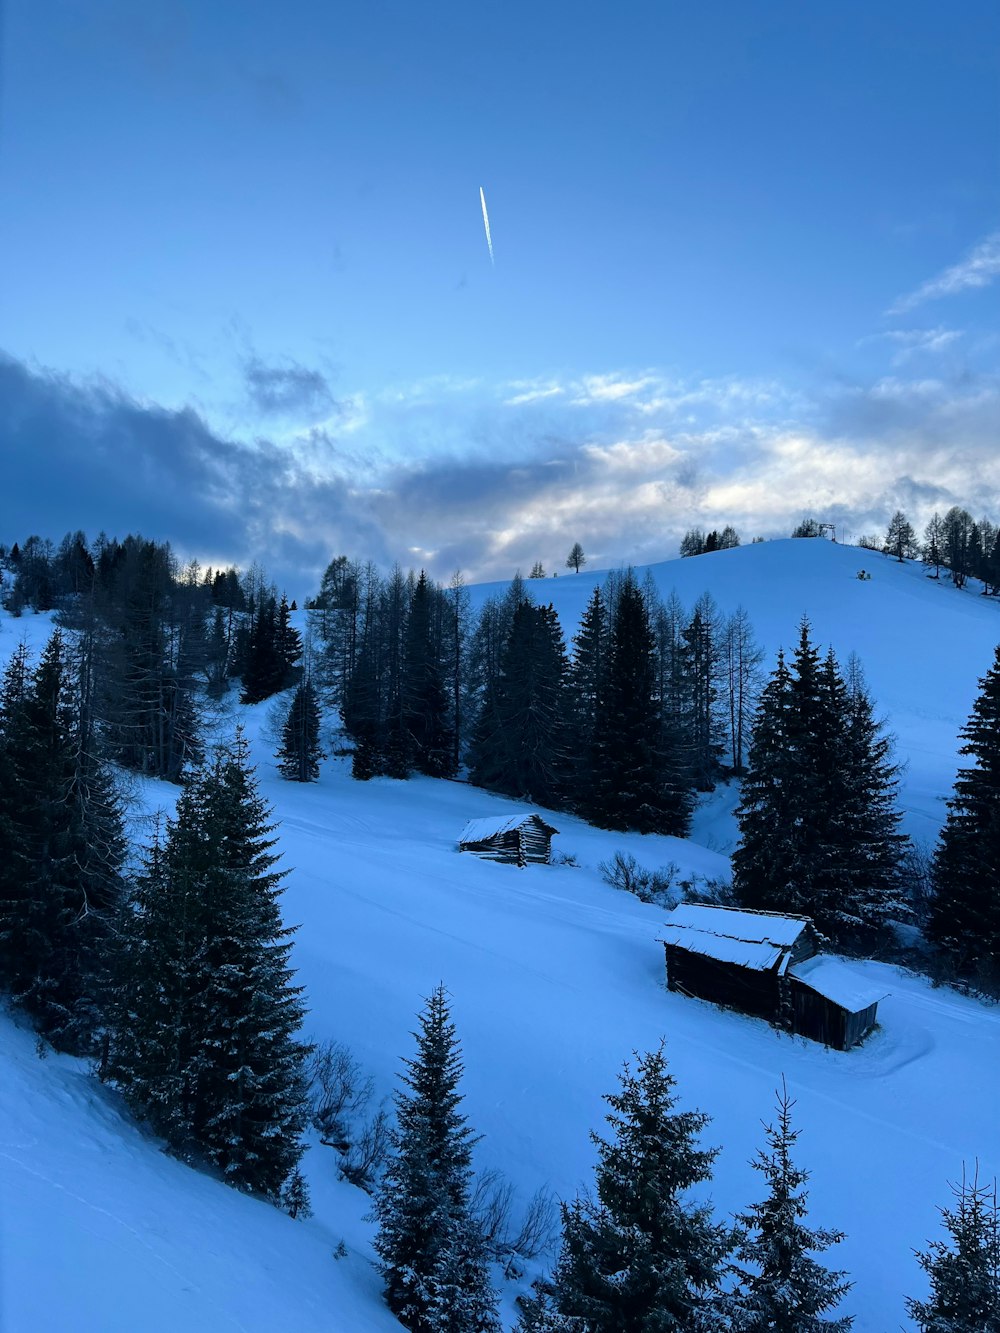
point(555, 980)
point(923, 644)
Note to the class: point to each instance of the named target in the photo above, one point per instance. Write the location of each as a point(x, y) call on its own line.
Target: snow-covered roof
point(751, 939)
point(746, 953)
point(754, 927)
point(480, 830)
point(833, 979)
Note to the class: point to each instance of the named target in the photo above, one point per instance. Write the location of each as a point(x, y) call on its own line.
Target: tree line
point(152, 639)
point(651, 703)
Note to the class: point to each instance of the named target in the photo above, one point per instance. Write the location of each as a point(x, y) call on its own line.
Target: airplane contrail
point(486, 224)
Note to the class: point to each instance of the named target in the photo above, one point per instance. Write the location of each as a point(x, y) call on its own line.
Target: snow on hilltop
point(555, 979)
point(923, 644)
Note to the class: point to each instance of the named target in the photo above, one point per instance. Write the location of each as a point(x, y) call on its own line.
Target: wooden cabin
point(516, 839)
point(768, 965)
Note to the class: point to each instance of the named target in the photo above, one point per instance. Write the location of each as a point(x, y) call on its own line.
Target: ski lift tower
point(825, 528)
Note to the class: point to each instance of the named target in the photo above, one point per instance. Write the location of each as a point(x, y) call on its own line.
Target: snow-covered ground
point(555, 980)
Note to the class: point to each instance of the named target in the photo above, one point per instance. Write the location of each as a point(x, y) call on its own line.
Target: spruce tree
point(299, 754)
point(965, 1273)
point(637, 781)
point(523, 753)
point(61, 832)
point(965, 913)
point(266, 668)
point(204, 1013)
point(586, 682)
point(433, 1256)
point(640, 1258)
point(784, 1287)
point(817, 814)
point(425, 700)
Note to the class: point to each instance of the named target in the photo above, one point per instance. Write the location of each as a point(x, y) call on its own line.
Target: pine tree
point(965, 1274)
point(266, 667)
point(204, 1013)
point(486, 660)
point(817, 814)
point(639, 1258)
point(63, 844)
point(299, 755)
point(433, 1256)
point(524, 752)
point(965, 913)
point(784, 1287)
point(586, 682)
point(287, 644)
point(424, 698)
point(637, 780)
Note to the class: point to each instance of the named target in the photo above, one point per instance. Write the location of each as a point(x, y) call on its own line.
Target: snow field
point(555, 980)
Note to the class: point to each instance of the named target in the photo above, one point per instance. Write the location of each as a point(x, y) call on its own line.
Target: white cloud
point(979, 268)
point(913, 342)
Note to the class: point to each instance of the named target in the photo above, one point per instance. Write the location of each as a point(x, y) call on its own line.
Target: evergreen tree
point(784, 1287)
point(362, 715)
point(640, 1258)
point(991, 567)
point(204, 1013)
point(817, 814)
point(965, 913)
point(965, 1274)
point(424, 697)
point(266, 667)
point(299, 754)
point(637, 778)
point(524, 751)
point(486, 656)
point(433, 1255)
point(62, 848)
point(586, 682)
point(287, 643)
point(148, 706)
point(900, 539)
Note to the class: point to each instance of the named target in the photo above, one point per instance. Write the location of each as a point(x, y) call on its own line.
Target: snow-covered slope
point(922, 643)
point(555, 980)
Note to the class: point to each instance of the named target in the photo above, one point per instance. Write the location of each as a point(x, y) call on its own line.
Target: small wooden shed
point(768, 965)
point(516, 839)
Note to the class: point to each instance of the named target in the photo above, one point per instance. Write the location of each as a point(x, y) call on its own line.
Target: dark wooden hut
point(516, 839)
point(769, 965)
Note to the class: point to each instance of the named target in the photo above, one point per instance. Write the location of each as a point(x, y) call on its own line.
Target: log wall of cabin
point(536, 844)
point(743, 988)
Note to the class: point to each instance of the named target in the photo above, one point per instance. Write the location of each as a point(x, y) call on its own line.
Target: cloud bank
point(490, 478)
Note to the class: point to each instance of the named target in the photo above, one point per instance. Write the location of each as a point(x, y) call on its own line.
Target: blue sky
point(747, 258)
